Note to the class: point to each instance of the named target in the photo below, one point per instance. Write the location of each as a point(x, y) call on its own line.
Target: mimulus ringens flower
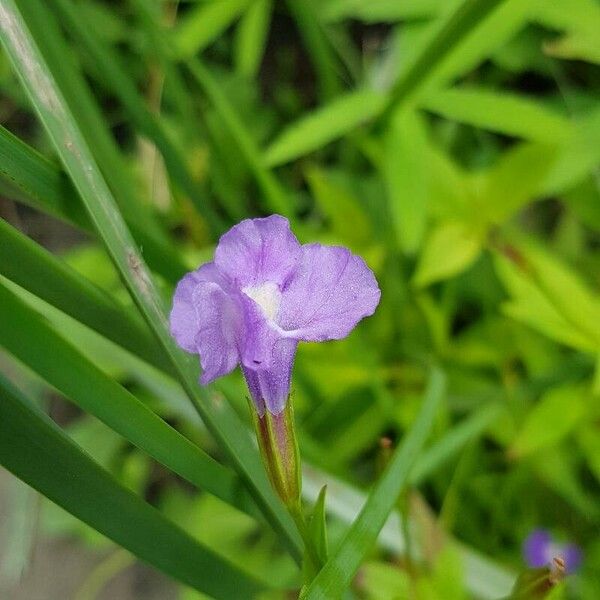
point(261, 295)
point(540, 550)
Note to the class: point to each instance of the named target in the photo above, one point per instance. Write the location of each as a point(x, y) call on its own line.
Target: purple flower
point(540, 550)
point(261, 295)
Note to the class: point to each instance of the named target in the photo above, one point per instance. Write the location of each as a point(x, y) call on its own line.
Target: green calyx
point(278, 445)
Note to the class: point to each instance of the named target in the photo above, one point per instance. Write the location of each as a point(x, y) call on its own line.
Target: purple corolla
point(260, 296)
point(540, 549)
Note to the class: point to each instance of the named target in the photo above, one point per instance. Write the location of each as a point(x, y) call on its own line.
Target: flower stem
point(313, 561)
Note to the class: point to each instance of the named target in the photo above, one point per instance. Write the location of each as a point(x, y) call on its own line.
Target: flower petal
point(270, 388)
point(206, 319)
point(258, 250)
point(260, 336)
point(329, 292)
point(183, 319)
point(220, 330)
point(535, 548)
point(573, 557)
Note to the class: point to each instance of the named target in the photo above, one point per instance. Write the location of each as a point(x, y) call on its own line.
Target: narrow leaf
point(251, 37)
point(323, 126)
point(204, 24)
point(501, 112)
point(406, 175)
point(33, 341)
point(35, 269)
point(36, 451)
point(121, 84)
point(555, 416)
point(39, 81)
point(450, 248)
point(274, 195)
point(452, 31)
point(337, 574)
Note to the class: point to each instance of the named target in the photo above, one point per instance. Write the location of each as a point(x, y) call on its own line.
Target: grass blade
point(42, 185)
point(251, 37)
point(275, 196)
point(453, 30)
point(205, 24)
point(81, 103)
point(32, 340)
point(337, 574)
point(36, 451)
point(453, 441)
point(41, 273)
point(484, 578)
point(63, 129)
point(121, 84)
point(317, 46)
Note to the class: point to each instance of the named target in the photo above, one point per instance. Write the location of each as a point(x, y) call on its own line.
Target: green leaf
point(513, 181)
point(274, 195)
point(453, 441)
point(33, 341)
point(494, 29)
point(531, 306)
point(337, 574)
point(120, 82)
point(501, 112)
point(204, 24)
point(324, 125)
point(449, 249)
point(342, 208)
point(383, 581)
point(318, 48)
point(35, 450)
point(406, 172)
point(38, 78)
point(448, 35)
point(317, 526)
point(378, 11)
point(41, 273)
point(581, 21)
point(251, 37)
point(554, 416)
point(577, 158)
point(42, 185)
point(566, 290)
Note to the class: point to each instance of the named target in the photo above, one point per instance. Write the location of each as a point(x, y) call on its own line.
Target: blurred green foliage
point(459, 156)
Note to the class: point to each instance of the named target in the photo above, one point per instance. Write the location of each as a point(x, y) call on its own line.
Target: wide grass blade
point(37, 76)
point(38, 452)
point(32, 340)
point(41, 273)
point(43, 185)
point(337, 574)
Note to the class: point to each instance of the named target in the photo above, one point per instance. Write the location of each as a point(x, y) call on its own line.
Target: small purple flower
point(261, 295)
point(540, 549)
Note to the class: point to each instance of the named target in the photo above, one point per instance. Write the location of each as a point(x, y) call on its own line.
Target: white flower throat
point(267, 295)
